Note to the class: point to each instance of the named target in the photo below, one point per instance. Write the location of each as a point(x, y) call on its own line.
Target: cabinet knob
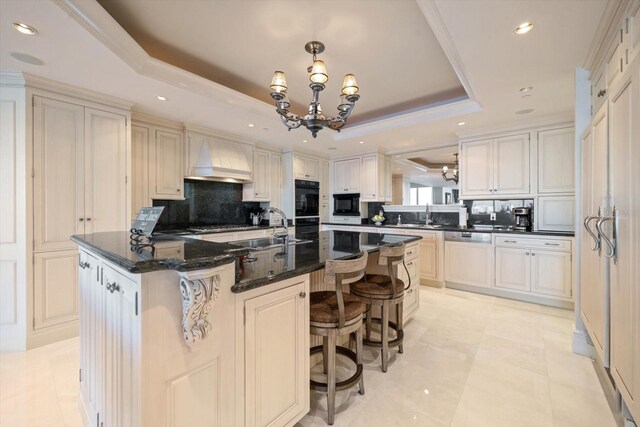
point(495, 190)
point(80, 219)
point(490, 190)
point(303, 294)
point(88, 219)
point(533, 254)
point(527, 253)
point(178, 190)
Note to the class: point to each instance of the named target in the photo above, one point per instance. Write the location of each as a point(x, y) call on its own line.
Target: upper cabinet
point(556, 171)
point(306, 167)
point(495, 167)
point(346, 176)
point(266, 178)
point(325, 192)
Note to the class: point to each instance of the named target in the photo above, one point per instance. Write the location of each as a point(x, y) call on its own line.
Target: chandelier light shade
point(315, 120)
point(445, 171)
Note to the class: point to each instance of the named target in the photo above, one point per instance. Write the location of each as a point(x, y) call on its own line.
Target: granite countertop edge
point(456, 228)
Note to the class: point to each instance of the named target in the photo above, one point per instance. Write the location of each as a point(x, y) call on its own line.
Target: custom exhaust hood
point(216, 159)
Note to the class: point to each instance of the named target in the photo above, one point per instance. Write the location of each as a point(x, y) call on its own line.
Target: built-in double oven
point(307, 203)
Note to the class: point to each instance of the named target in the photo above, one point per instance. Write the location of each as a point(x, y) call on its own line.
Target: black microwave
point(346, 204)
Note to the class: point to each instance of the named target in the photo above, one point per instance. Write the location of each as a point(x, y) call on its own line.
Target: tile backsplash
point(480, 211)
point(206, 203)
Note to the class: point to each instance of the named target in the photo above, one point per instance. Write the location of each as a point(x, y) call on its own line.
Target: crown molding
point(402, 151)
point(431, 13)
point(608, 25)
point(553, 121)
point(152, 119)
point(192, 127)
point(12, 79)
point(427, 114)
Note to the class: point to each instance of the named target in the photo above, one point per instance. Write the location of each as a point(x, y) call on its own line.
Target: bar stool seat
point(377, 286)
point(334, 314)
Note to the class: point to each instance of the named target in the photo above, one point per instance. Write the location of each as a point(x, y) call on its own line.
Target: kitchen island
point(194, 333)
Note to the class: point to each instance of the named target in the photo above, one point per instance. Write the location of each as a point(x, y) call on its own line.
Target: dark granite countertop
point(223, 229)
point(456, 228)
point(263, 267)
point(170, 252)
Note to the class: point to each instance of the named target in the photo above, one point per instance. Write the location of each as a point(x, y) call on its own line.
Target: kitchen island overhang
point(199, 323)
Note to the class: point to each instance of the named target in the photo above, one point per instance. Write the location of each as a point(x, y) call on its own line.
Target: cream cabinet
point(513, 269)
point(55, 298)
point(468, 263)
point(346, 176)
point(306, 167)
point(325, 212)
point(495, 167)
point(325, 190)
point(260, 188)
point(411, 278)
point(373, 178)
point(276, 349)
point(556, 213)
point(275, 193)
point(556, 172)
point(388, 186)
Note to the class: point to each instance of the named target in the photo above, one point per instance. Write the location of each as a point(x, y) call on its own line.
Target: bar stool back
point(333, 314)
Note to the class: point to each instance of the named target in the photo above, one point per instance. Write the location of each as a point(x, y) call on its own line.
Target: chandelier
point(315, 120)
point(445, 170)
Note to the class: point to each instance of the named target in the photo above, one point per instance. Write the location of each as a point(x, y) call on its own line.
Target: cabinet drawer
point(528, 242)
point(410, 301)
point(411, 252)
point(412, 267)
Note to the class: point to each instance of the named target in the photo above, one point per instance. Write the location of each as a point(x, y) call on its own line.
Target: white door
point(513, 268)
point(299, 168)
point(58, 165)
point(468, 263)
point(312, 168)
point(555, 161)
point(511, 165)
point(261, 177)
point(476, 176)
point(551, 273)
point(277, 357)
point(624, 130)
point(105, 172)
point(340, 176)
point(139, 169)
point(55, 288)
point(369, 178)
point(353, 176)
point(166, 157)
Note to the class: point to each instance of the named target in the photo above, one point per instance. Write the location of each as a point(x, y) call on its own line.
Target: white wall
point(13, 290)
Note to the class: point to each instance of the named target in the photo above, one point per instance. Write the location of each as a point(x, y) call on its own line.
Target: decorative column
point(200, 289)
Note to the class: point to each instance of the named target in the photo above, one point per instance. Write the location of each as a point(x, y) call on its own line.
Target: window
point(420, 195)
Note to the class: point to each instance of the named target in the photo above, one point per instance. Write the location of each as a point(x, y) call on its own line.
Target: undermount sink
point(430, 226)
point(265, 243)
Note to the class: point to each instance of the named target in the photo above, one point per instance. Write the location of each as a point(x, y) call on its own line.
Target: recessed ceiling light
point(523, 28)
point(304, 140)
point(265, 128)
point(27, 59)
point(525, 111)
point(526, 95)
point(526, 89)
point(25, 29)
point(361, 142)
point(462, 123)
point(331, 148)
point(397, 155)
point(251, 125)
point(161, 98)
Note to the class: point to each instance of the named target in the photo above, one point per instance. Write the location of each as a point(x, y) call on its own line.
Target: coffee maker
point(523, 219)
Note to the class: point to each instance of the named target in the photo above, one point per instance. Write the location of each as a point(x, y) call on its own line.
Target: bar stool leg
point(359, 334)
point(369, 316)
point(399, 311)
point(331, 380)
point(385, 335)
point(325, 354)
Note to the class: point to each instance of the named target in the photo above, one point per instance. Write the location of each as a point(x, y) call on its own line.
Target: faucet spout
point(285, 222)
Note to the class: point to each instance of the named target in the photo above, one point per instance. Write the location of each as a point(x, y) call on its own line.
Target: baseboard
point(534, 299)
point(52, 334)
point(432, 283)
point(581, 344)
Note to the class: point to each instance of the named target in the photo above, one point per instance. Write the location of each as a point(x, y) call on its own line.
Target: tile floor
point(469, 360)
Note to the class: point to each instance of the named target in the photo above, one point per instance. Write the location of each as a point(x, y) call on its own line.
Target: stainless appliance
point(468, 237)
point(307, 198)
point(346, 204)
point(523, 219)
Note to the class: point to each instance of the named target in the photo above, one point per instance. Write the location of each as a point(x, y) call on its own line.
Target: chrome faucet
point(285, 223)
point(399, 219)
point(429, 220)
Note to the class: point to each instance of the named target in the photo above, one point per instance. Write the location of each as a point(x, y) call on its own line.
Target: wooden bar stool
point(378, 290)
point(334, 314)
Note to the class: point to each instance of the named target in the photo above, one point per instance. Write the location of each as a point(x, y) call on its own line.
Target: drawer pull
point(303, 294)
point(551, 244)
point(511, 241)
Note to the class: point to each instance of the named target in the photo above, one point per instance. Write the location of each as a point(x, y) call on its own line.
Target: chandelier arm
point(291, 121)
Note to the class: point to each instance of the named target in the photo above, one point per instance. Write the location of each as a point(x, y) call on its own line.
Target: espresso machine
point(523, 219)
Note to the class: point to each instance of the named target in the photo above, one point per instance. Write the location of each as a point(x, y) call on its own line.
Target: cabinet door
point(340, 177)
point(513, 269)
point(261, 177)
point(555, 161)
point(511, 165)
point(325, 212)
point(551, 273)
point(58, 150)
point(624, 158)
point(556, 213)
point(613, 58)
point(139, 169)
point(55, 280)
point(369, 178)
point(105, 172)
point(469, 263)
point(89, 277)
point(428, 259)
point(166, 165)
point(476, 160)
point(275, 191)
point(353, 176)
point(312, 168)
point(324, 181)
point(277, 357)
point(95, 375)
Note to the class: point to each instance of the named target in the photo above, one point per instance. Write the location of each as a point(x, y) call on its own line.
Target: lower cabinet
point(55, 288)
point(276, 349)
point(468, 263)
point(411, 277)
point(551, 273)
point(513, 269)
